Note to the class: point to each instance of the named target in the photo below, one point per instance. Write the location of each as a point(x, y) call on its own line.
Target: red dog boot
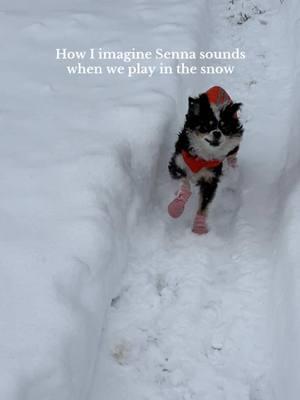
point(176, 207)
point(200, 226)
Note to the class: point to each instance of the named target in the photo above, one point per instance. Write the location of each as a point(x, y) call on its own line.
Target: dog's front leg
point(232, 157)
point(207, 192)
point(176, 206)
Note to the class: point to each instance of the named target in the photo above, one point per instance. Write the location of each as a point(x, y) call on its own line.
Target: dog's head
point(212, 128)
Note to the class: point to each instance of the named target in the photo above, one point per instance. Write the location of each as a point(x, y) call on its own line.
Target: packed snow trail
point(195, 316)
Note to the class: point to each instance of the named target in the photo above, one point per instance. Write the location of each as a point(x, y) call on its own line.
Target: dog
point(212, 133)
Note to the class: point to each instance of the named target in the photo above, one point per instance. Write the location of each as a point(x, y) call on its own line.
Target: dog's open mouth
point(214, 143)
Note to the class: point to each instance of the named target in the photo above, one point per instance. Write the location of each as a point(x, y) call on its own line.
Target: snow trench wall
point(286, 298)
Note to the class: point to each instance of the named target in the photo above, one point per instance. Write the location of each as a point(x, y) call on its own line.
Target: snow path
point(192, 320)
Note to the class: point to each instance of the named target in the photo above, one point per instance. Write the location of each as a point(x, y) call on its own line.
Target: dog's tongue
point(218, 96)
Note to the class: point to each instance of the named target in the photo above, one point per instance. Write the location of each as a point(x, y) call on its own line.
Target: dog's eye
point(222, 123)
point(211, 122)
point(201, 128)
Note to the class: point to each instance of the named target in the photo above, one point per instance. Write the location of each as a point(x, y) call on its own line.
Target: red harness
point(195, 163)
point(218, 96)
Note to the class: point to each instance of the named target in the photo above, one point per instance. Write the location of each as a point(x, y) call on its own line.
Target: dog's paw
point(200, 224)
point(175, 208)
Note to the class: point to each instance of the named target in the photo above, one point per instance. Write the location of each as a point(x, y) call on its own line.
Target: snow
point(102, 295)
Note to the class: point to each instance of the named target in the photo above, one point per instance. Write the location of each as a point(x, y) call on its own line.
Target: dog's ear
point(197, 104)
point(231, 109)
point(203, 103)
point(194, 108)
point(203, 100)
point(191, 101)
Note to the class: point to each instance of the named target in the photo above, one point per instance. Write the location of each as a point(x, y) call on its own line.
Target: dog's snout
point(216, 135)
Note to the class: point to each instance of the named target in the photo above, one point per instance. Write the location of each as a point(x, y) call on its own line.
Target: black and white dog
point(212, 133)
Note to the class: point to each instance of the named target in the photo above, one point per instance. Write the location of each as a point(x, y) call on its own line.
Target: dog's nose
point(216, 135)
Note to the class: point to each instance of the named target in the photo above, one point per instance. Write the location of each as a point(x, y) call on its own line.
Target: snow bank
point(286, 300)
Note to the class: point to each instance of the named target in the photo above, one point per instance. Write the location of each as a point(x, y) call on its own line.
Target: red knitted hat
point(218, 96)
